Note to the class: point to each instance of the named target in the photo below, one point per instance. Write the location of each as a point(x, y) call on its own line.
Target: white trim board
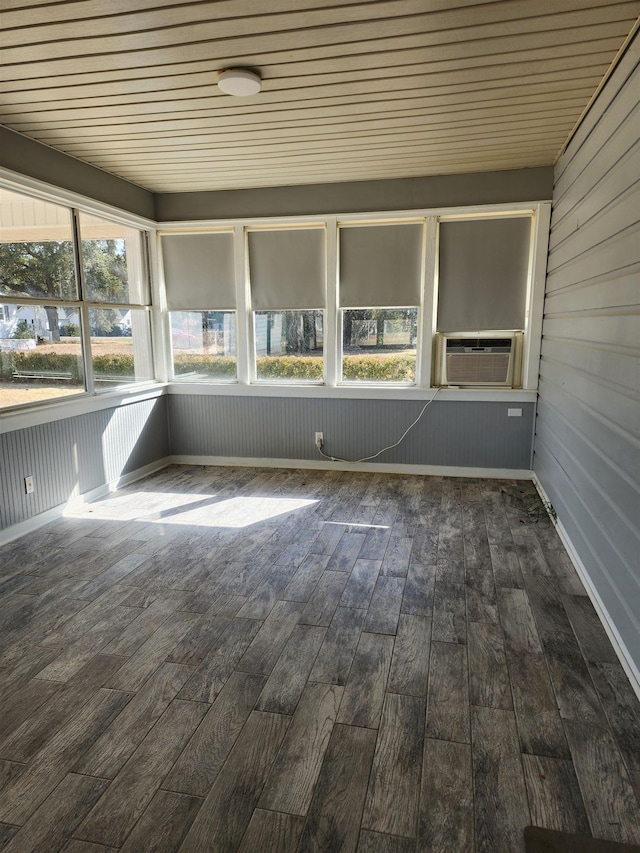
point(366, 467)
point(619, 646)
point(9, 534)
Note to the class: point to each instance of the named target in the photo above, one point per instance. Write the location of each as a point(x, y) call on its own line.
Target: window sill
point(33, 414)
point(353, 392)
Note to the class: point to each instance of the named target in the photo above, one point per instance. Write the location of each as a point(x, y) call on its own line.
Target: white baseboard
point(619, 646)
point(37, 521)
point(368, 467)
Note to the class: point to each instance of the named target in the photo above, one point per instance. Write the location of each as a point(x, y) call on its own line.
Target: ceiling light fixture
point(239, 82)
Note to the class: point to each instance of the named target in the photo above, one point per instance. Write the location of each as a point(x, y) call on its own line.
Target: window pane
point(289, 345)
point(120, 346)
point(36, 250)
point(40, 353)
point(204, 345)
point(379, 345)
point(112, 260)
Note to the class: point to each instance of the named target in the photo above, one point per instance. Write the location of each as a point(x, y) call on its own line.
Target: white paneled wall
point(587, 448)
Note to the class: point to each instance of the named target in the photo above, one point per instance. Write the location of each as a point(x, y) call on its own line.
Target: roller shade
point(483, 266)
point(199, 271)
point(287, 269)
point(380, 266)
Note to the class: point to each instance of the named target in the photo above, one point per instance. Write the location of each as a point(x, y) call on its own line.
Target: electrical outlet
point(319, 440)
point(29, 487)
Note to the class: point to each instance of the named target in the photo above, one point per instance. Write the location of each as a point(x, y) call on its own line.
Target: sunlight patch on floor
point(194, 510)
point(236, 512)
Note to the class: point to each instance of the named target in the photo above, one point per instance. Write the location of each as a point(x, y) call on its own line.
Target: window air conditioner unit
point(478, 359)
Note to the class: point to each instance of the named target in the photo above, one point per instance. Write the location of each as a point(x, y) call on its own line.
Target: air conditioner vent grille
point(483, 367)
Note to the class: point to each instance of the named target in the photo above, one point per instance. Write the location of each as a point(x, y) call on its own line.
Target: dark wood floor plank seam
point(118, 810)
point(163, 824)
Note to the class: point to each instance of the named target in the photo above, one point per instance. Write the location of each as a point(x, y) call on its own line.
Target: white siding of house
point(587, 446)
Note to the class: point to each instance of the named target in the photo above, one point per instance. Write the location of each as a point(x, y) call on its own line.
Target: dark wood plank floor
point(222, 659)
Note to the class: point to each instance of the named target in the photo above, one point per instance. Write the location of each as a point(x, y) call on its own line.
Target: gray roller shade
point(380, 265)
point(287, 269)
point(199, 271)
point(483, 266)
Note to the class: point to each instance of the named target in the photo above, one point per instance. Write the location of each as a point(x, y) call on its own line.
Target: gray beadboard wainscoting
point(71, 457)
point(587, 447)
point(451, 433)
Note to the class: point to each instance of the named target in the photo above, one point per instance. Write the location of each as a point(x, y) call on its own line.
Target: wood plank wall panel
point(474, 434)
point(72, 456)
point(587, 446)
point(353, 90)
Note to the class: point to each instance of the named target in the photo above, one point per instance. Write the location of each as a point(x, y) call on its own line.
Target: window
point(411, 300)
point(482, 291)
point(117, 292)
point(288, 293)
point(380, 266)
point(199, 276)
point(48, 332)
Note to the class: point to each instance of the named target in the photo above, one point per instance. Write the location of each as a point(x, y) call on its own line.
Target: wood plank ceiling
point(352, 90)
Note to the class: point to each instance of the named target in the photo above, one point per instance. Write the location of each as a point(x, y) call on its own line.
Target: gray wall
point(28, 157)
point(511, 185)
point(587, 447)
point(475, 434)
point(451, 434)
point(72, 456)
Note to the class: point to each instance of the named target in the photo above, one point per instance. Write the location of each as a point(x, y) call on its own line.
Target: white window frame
point(243, 293)
point(381, 219)
point(540, 213)
point(35, 412)
point(31, 414)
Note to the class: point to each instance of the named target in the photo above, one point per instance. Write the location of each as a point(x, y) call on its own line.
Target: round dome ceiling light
point(239, 82)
